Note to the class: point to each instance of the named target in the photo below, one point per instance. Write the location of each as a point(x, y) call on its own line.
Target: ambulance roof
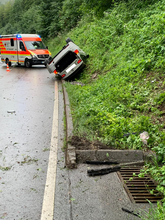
point(20, 36)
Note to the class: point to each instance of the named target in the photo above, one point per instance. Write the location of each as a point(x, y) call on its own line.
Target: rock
point(144, 137)
point(77, 83)
point(94, 76)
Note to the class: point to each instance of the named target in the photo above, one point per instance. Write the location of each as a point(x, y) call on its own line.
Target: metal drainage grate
point(138, 188)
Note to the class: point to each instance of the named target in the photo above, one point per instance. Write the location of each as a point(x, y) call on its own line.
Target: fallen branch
point(104, 171)
point(131, 212)
point(101, 162)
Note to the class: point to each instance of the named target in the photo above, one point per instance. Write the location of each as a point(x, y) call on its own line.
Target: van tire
point(68, 40)
point(8, 62)
point(28, 63)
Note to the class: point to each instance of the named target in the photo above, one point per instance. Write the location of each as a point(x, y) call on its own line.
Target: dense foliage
point(48, 17)
point(124, 81)
point(126, 50)
point(44, 17)
point(124, 77)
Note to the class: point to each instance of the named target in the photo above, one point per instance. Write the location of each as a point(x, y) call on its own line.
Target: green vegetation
point(28, 160)
point(45, 17)
point(46, 149)
point(124, 81)
point(127, 58)
point(4, 1)
point(124, 75)
point(155, 213)
point(5, 168)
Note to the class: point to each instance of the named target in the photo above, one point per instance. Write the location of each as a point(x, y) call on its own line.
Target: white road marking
point(49, 194)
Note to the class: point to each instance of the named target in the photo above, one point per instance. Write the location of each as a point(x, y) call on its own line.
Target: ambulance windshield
point(34, 45)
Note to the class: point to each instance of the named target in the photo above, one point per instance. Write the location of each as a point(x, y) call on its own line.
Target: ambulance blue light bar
point(18, 36)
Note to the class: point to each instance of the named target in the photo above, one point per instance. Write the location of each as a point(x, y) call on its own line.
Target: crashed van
point(68, 61)
point(23, 49)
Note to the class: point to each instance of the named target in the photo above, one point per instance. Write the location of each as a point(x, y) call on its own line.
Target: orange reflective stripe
point(31, 39)
point(24, 53)
point(6, 39)
point(14, 61)
point(7, 52)
point(2, 47)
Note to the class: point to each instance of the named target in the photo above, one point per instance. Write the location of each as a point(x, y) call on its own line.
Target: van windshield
point(34, 45)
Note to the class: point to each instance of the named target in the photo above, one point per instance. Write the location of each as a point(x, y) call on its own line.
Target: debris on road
point(77, 83)
point(103, 171)
point(11, 112)
point(101, 162)
point(131, 212)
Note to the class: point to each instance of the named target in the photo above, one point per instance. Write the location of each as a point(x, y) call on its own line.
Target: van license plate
point(70, 68)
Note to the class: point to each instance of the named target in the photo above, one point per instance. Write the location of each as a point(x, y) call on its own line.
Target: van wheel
point(68, 40)
point(28, 63)
point(8, 62)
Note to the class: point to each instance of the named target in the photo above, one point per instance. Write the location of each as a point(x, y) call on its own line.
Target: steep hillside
point(124, 92)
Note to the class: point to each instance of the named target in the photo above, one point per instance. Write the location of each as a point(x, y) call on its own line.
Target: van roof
point(20, 36)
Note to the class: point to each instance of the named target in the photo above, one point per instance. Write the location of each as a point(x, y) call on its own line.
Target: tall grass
point(126, 50)
point(124, 77)
point(154, 213)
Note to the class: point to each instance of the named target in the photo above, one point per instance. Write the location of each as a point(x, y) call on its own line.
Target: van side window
point(22, 46)
point(12, 42)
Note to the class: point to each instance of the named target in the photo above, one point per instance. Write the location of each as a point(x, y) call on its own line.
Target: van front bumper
point(37, 62)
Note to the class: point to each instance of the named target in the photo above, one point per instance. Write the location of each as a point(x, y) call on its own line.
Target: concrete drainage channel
point(129, 163)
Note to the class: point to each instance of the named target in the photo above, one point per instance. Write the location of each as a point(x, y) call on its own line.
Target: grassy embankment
point(124, 80)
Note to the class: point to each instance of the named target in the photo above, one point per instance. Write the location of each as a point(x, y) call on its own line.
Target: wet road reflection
point(26, 112)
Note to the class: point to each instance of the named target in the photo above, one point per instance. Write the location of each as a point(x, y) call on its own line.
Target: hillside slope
point(124, 78)
point(124, 92)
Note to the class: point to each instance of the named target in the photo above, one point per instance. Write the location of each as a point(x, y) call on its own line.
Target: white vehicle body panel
point(67, 61)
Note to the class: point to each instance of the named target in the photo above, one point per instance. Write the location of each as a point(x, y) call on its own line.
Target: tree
point(50, 17)
point(71, 14)
point(2, 23)
point(98, 6)
point(31, 21)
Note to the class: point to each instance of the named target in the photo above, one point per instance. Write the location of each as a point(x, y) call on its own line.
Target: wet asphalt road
point(26, 112)
point(26, 116)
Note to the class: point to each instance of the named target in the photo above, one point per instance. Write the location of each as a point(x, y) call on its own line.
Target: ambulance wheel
point(8, 62)
point(28, 63)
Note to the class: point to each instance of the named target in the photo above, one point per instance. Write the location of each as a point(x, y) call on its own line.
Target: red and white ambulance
point(23, 49)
